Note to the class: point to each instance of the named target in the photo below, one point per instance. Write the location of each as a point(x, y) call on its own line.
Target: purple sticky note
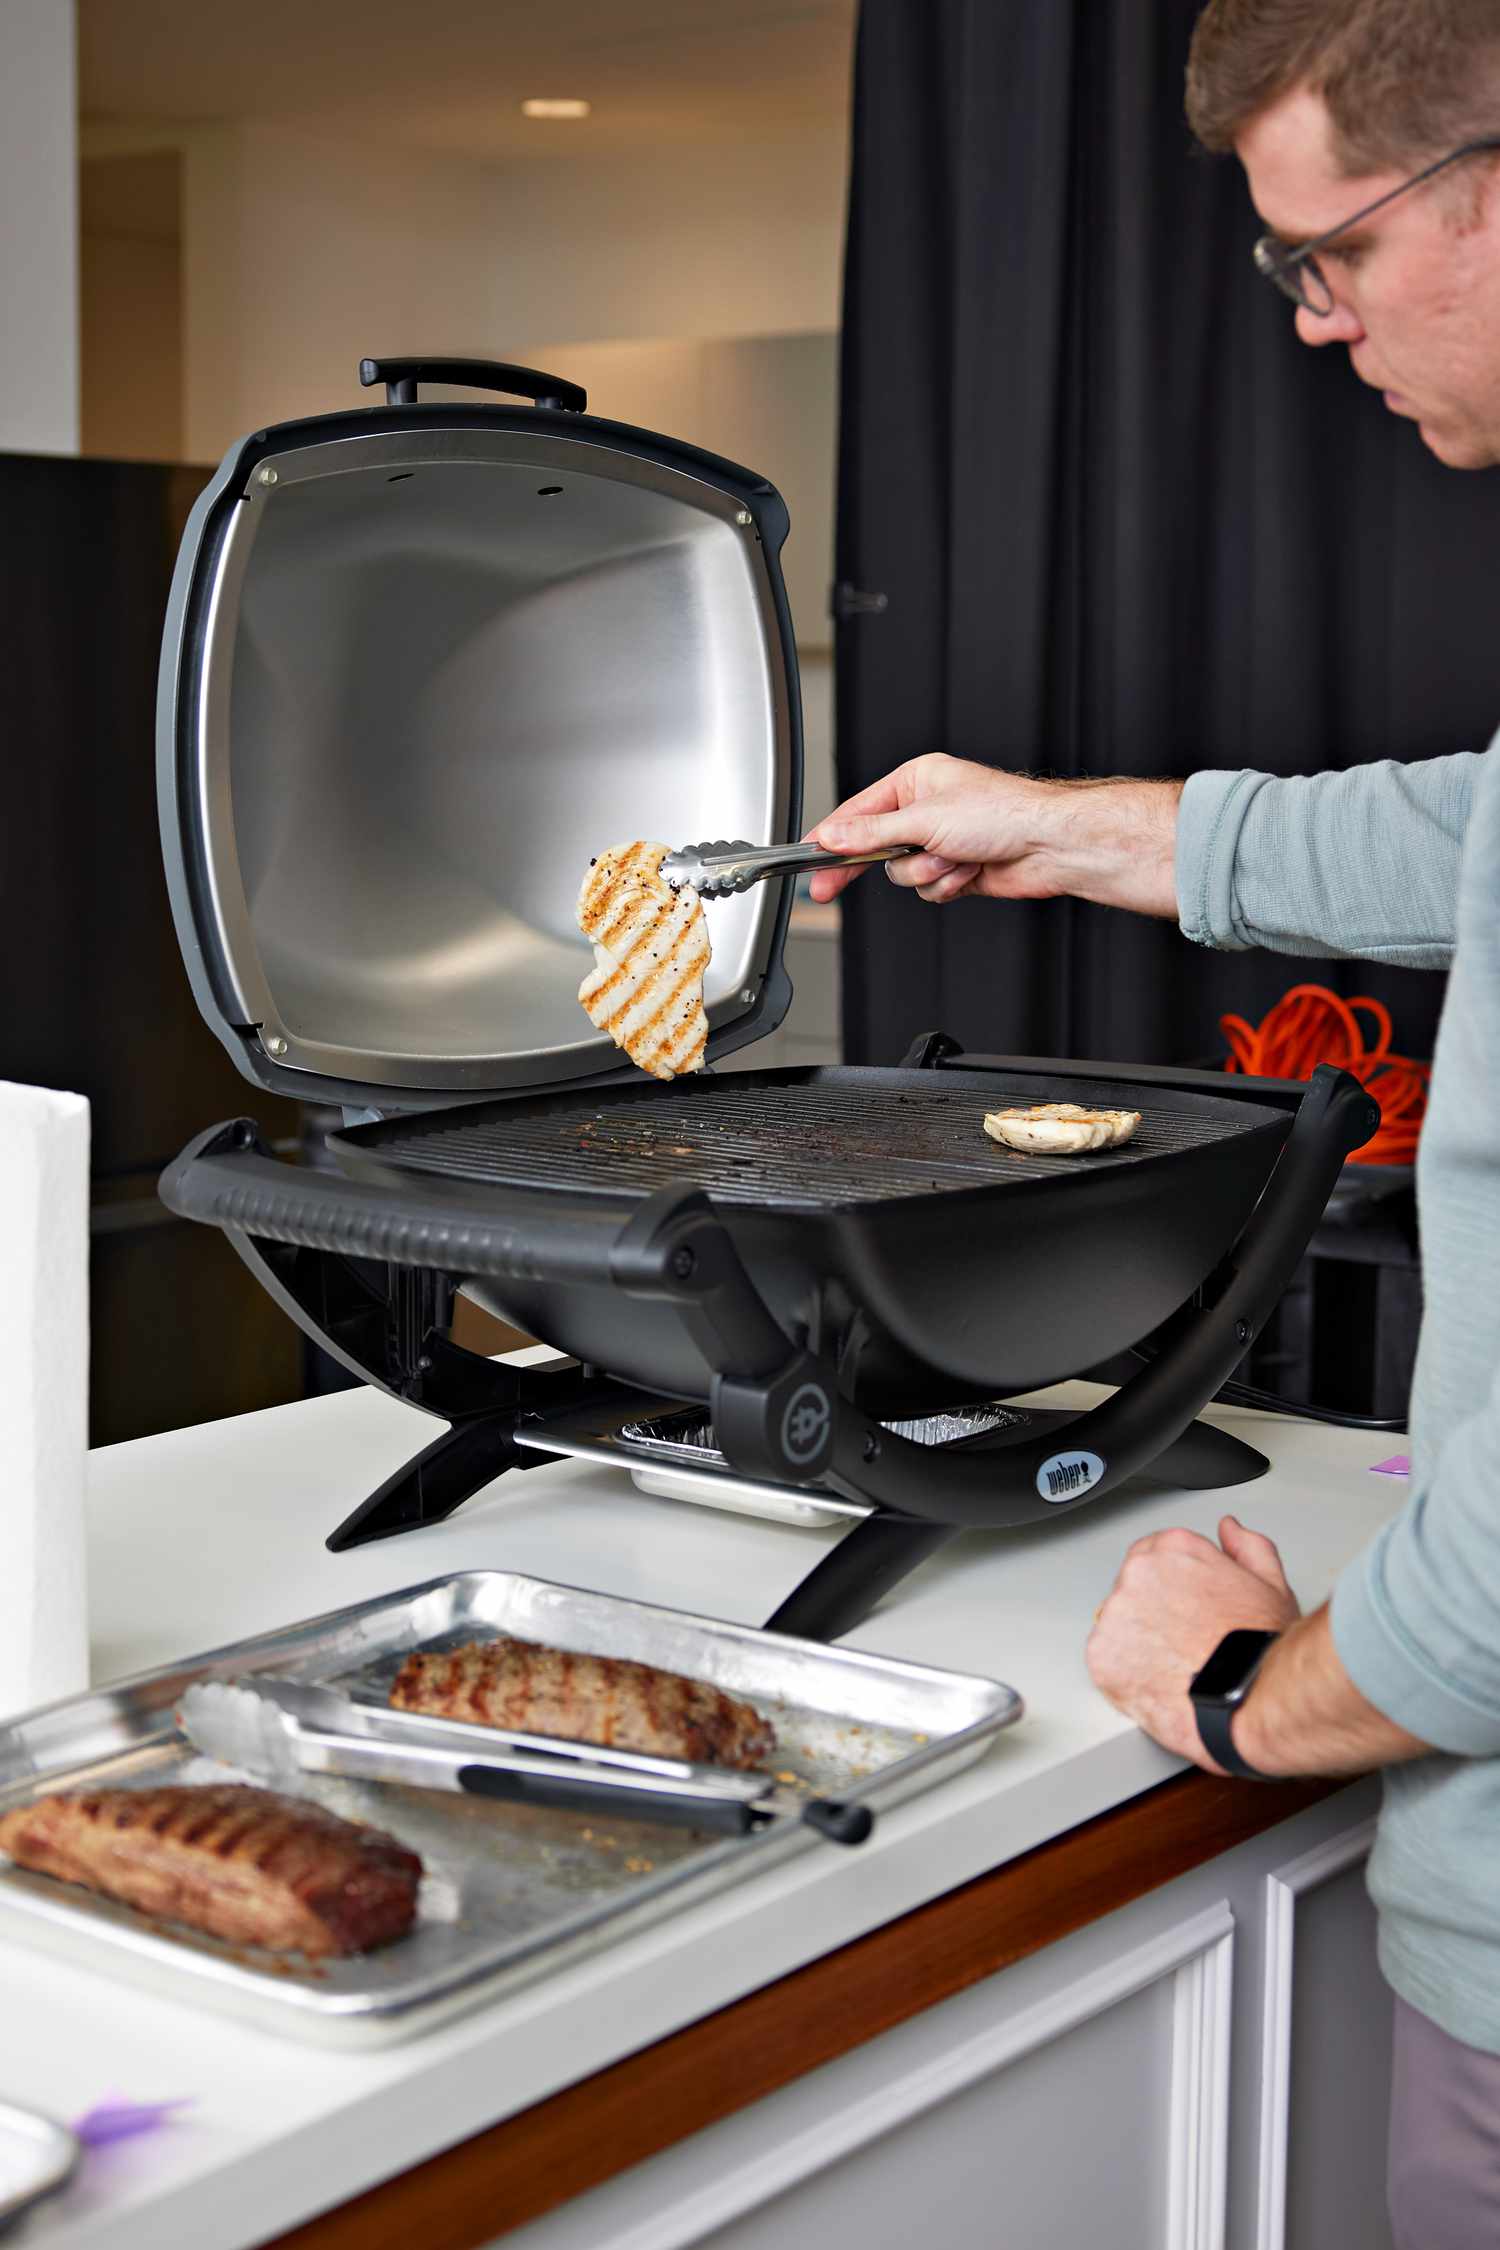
point(116, 2120)
point(1399, 1465)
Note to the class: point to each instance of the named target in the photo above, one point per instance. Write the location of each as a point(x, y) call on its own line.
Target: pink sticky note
point(1399, 1465)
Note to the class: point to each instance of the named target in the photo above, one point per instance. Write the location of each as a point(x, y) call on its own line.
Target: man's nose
point(1341, 326)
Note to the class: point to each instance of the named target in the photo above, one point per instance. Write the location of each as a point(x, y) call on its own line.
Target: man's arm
point(1305, 1715)
point(1405, 1657)
point(1176, 1597)
point(1363, 863)
point(987, 834)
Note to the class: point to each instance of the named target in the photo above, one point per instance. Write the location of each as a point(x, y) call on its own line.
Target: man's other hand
point(1176, 1597)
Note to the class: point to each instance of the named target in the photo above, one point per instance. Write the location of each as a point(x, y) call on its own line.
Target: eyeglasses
point(1296, 272)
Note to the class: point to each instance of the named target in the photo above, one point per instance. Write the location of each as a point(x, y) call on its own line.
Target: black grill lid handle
point(401, 377)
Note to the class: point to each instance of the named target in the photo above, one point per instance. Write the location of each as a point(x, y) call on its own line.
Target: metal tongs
point(716, 870)
point(278, 1727)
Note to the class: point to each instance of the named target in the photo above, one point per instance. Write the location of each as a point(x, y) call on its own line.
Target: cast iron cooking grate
point(835, 1137)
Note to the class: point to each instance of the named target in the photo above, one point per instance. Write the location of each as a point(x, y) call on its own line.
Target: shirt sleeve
point(1416, 1616)
point(1362, 864)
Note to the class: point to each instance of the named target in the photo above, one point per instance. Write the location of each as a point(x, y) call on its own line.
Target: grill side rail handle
point(227, 1177)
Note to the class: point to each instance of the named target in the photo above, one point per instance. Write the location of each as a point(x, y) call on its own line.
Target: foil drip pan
point(671, 1451)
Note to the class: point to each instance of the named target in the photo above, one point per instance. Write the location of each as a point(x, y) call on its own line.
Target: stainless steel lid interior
point(420, 664)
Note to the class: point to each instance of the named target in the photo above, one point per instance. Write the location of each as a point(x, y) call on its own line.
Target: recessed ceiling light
point(555, 109)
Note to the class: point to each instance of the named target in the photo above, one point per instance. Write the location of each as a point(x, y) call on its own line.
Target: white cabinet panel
point(1065, 2147)
point(1327, 2055)
point(1021, 2115)
point(1081, 2097)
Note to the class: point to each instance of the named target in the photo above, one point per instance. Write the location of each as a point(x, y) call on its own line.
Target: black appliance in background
point(95, 998)
point(1100, 512)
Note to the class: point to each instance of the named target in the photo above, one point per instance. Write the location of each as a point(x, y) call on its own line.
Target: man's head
point(1330, 104)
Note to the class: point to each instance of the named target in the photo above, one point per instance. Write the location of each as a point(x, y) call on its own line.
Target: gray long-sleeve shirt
point(1402, 863)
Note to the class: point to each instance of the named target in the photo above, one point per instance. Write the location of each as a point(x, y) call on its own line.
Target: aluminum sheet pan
point(36, 2159)
point(510, 1892)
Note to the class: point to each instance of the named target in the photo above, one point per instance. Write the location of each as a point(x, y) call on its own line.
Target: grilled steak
point(650, 951)
point(238, 1862)
point(605, 1699)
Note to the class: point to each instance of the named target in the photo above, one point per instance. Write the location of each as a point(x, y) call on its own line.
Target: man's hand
point(984, 834)
point(1176, 1597)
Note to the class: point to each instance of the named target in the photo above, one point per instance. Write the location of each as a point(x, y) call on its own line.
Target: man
point(1356, 122)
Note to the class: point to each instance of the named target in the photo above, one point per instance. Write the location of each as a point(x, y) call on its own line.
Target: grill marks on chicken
point(234, 1861)
point(650, 951)
point(1061, 1128)
point(604, 1699)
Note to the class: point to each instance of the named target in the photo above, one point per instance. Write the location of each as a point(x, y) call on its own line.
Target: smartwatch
point(1218, 1690)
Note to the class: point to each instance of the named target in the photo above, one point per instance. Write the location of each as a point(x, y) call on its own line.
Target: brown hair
point(1403, 80)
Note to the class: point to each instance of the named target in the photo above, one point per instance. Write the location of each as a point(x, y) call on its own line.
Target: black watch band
point(1219, 1689)
point(1215, 1724)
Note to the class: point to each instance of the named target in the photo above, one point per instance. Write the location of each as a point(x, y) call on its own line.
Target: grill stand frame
point(370, 1276)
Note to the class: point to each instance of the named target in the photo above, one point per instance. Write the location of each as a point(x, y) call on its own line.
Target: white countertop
point(210, 1534)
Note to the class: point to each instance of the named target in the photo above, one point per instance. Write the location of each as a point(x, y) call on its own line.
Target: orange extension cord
point(1311, 1025)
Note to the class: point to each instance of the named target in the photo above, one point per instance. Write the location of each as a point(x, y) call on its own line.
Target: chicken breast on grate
point(650, 951)
point(1061, 1128)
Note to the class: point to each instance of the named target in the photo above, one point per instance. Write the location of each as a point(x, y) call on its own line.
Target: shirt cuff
point(1392, 1672)
point(1210, 814)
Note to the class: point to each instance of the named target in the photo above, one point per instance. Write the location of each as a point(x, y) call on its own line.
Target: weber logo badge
point(804, 1425)
point(1062, 1476)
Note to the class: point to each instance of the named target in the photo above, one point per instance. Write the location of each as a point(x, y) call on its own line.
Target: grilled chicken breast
point(239, 1863)
point(1061, 1128)
point(650, 951)
point(604, 1699)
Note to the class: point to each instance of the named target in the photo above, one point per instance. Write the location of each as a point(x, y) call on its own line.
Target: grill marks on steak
point(604, 1699)
point(236, 1862)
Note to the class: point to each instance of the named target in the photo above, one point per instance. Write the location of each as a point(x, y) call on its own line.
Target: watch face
point(1235, 1657)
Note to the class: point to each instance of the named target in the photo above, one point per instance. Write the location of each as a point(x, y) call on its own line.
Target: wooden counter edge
point(575, 2140)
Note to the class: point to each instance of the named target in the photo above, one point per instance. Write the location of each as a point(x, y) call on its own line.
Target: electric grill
point(419, 662)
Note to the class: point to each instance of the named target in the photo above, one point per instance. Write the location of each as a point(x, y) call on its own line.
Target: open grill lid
point(419, 663)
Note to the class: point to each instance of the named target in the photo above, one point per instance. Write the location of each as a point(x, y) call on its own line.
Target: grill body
point(418, 663)
point(880, 1222)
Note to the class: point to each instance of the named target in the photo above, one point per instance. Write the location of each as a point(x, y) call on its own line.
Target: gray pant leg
point(1445, 2140)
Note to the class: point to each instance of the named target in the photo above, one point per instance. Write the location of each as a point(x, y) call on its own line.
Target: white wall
point(301, 254)
point(130, 306)
point(38, 228)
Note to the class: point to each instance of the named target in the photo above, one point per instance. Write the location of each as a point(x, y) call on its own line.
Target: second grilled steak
point(239, 1863)
point(604, 1699)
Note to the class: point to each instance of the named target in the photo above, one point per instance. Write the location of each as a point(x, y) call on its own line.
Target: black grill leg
point(441, 1478)
point(845, 1586)
point(877, 1554)
point(1203, 1459)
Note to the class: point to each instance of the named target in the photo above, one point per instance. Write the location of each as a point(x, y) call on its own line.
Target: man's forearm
point(1304, 1715)
point(1110, 841)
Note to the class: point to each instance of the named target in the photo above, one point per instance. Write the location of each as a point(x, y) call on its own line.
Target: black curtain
point(1122, 521)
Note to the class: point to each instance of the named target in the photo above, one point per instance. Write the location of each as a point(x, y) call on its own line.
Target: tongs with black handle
point(281, 1726)
point(717, 870)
